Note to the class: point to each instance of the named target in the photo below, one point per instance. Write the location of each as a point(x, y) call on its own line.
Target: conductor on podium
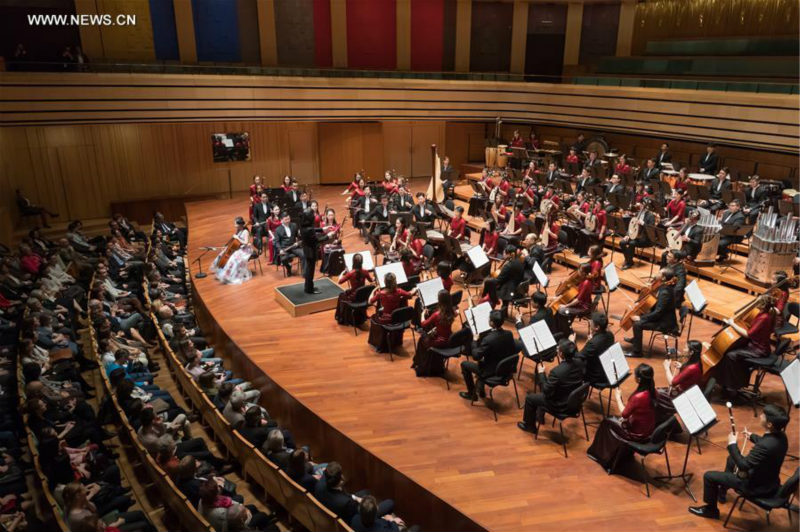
point(311, 242)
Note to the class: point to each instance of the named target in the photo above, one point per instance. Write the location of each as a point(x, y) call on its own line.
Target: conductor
point(311, 242)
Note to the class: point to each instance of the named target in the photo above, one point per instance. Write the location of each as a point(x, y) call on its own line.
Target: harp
point(435, 192)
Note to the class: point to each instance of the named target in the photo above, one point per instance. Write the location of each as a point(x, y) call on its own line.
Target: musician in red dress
point(596, 265)
point(490, 237)
point(387, 300)
point(504, 187)
point(416, 246)
point(552, 227)
point(676, 208)
point(273, 222)
point(436, 331)
point(572, 157)
point(517, 141)
point(287, 184)
point(636, 423)
point(458, 226)
point(445, 271)
point(682, 181)
point(533, 142)
point(355, 278)
point(622, 168)
point(389, 183)
point(690, 373)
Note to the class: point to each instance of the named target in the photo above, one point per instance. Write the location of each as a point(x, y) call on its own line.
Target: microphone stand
point(201, 274)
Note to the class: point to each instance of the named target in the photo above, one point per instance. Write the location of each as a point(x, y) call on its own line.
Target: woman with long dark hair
point(689, 373)
point(436, 331)
point(387, 299)
point(356, 277)
point(635, 423)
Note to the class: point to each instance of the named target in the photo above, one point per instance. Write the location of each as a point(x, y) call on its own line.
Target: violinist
point(689, 374)
point(662, 316)
point(628, 244)
point(387, 299)
point(580, 306)
point(759, 473)
point(511, 275)
point(458, 225)
point(734, 219)
point(490, 237)
point(676, 208)
point(622, 167)
point(598, 343)
point(356, 278)
point(596, 265)
point(733, 371)
point(436, 331)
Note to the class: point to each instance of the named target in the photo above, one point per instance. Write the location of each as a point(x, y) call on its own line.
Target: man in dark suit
point(556, 387)
point(628, 244)
point(423, 213)
point(293, 194)
point(402, 201)
point(595, 346)
point(660, 318)
point(732, 220)
point(709, 161)
point(331, 493)
point(664, 155)
point(311, 242)
point(512, 273)
point(593, 164)
point(675, 260)
point(261, 212)
point(691, 234)
point(552, 173)
point(719, 184)
point(650, 172)
point(367, 519)
point(495, 346)
point(754, 194)
point(758, 472)
point(586, 179)
point(303, 203)
point(286, 236)
point(380, 218)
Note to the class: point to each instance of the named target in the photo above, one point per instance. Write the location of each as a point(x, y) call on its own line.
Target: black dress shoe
point(626, 266)
point(466, 395)
point(628, 339)
point(314, 291)
point(633, 354)
point(521, 425)
point(706, 511)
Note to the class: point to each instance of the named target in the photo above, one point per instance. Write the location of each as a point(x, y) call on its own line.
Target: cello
point(647, 300)
point(567, 290)
point(231, 247)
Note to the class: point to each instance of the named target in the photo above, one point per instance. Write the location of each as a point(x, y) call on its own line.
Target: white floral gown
point(236, 270)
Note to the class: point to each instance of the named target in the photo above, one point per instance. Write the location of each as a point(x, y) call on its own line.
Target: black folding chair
point(656, 445)
point(574, 409)
point(504, 373)
point(458, 344)
point(401, 320)
point(782, 499)
point(360, 301)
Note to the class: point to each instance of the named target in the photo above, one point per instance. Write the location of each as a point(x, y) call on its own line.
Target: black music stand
point(596, 190)
point(698, 192)
point(201, 274)
point(619, 201)
point(683, 475)
point(657, 236)
point(618, 229)
point(738, 233)
point(565, 186)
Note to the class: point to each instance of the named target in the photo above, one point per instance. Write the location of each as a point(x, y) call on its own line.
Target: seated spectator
point(330, 491)
point(217, 509)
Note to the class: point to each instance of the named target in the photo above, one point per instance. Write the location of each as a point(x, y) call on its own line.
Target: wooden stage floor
point(447, 464)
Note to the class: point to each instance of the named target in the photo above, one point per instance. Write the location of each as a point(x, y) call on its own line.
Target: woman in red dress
point(287, 184)
point(332, 229)
point(437, 329)
point(445, 271)
point(682, 181)
point(273, 222)
point(636, 422)
point(416, 246)
point(690, 373)
point(676, 208)
point(458, 226)
point(387, 299)
point(596, 264)
point(490, 238)
point(355, 278)
point(622, 168)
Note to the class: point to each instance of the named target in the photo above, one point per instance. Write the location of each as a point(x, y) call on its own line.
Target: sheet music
point(694, 410)
point(366, 256)
point(695, 295)
point(791, 379)
point(228, 143)
point(478, 256)
point(477, 317)
point(540, 275)
point(612, 278)
point(429, 291)
point(396, 268)
point(615, 357)
point(537, 337)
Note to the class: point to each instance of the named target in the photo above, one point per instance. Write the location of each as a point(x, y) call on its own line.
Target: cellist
point(733, 371)
point(580, 306)
point(661, 318)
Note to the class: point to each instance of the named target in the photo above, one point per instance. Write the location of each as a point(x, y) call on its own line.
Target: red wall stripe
point(427, 39)
point(323, 54)
point(372, 34)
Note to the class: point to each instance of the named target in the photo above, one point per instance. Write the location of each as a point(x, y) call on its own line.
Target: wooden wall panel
point(346, 147)
point(397, 146)
point(423, 134)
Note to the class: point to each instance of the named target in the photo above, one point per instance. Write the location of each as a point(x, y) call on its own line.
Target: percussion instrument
point(502, 156)
point(710, 243)
point(491, 156)
point(434, 236)
point(599, 145)
point(700, 179)
point(773, 246)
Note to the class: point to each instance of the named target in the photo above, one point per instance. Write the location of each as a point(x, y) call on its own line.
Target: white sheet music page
point(429, 291)
point(695, 295)
point(540, 275)
point(543, 334)
point(612, 278)
point(614, 359)
point(791, 379)
point(396, 268)
point(478, 256)
point(694, 409)
point(366, 257)
point(478, 317)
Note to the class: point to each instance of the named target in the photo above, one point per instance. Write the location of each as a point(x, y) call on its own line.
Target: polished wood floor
point(496, 475)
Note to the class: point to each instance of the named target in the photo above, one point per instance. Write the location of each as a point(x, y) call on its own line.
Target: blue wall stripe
point(165, 36)
point(216, 29)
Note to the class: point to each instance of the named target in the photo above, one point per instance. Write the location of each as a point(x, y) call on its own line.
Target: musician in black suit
point(552, 173)
point(597, 344)
point(709, 161)
point(650, 172)
point(285, 242)
point(614, 187)
point(402, 201)
point(661, 318)
point(363, 207)
point(663, 156)
point(593, 164)
point(261, 212)
point(303, 203)
point(586, 179)
point(580, 144)
point(675, 260)
point(628, 244)
point(293, 194)
point(691, 234)
point(422, 212)
point(556, 387)
point(755, 194)
point(493, 347)
point(448, 176)
point(732, 219)
point(311, 243)
point(718, 185)
point(380, 218)
point(758, 472)
point(512, 273)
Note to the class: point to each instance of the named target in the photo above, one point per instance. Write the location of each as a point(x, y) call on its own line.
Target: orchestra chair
point(656, 445)
point(600, 387)
point(773, 364)
point(459, 344)
point(598, 297)
point(401, 320)
point(456, 297)
point(520, 297)
point(575, 402)
point(548, 355)
point(783, 499)
point(360, 301)
point(255, 257)
point(505, 373)
point(673, 335)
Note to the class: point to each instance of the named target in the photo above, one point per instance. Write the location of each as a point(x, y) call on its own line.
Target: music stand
point(736, 233)
point(565, 186)
point(407, 216)
point(698, 192)
point(618, 229)
point(597, 191)
point(657, 236)
point(619, 201)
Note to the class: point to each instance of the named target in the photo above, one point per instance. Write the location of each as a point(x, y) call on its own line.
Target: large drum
point(502, 156)
point(434, 236)
point(700, 179)
point(491, 156)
